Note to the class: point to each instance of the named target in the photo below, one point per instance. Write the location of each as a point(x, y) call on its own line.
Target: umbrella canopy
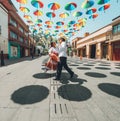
point(50, 15)
point(57, 27)
point(38, 21)
point(93, 16)
point(87, 4)
point(70, 6)
point(28, 17)
point(37, 3)
point(71, 22)
point(77, 14)
point(103, 8)
point(100, 2)
point(64, 15)
point(38, 13)
point(91, 11)
point(54, 6)
point(24, 9)
point(48, 22)
point(60, 23)
point(22, 1)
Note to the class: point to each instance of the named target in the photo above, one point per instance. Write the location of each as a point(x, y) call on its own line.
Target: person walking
point(62, 49)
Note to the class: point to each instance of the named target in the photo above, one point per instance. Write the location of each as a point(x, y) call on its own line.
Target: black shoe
point(56, 79)
point(71, 76)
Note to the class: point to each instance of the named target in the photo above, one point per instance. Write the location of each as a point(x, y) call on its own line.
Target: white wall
point(4, 30)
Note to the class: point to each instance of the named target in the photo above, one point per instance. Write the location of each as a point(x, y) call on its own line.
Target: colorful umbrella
point(28, 17)
point(24, 9)
point(57, 27)
point(50, 15)
point(93, 16)
point(87, 4)
point(70, 6)
point(54, 6)
point(82, 21)
point(48, 22)
point(77, 14)
point(103, 8)
point(37, 3)
point(38, 13)
point(56, 31)
point(91, 11)
point(30, 22)
point(71, 22)
point(38, 21)
point(64, 15)
point(60, 23)
point(100, 2)
point(39, 25)
point(22, 1)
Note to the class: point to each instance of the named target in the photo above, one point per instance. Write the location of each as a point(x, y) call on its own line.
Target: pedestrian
point(53, 60)
point(32, 54)
point(62, 49)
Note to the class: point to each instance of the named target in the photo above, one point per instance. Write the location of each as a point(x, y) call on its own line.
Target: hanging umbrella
point(64, 15)
point(50, 15)
point(37, 3)
point(48, 22)
point(22, 1)
point(39, 25)
point(77, 14)
point(60, 23)
point(82, 21)
point(91, 11)
point(38, 21)
point(67, 26)
point(100, 2)
point(71, 22)
point(24, 9)
point(57, 27)
point(48, 26)
point(54, 6)
point(30, 22)
point(28, 17)
point(38, 13)
point(103, 8)
point(56, 30)
point(65, 30)
point(93, 16)
point(87, 4)
point(70, 6)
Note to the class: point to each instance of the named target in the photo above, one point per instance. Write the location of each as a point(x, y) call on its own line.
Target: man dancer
point(62, 59)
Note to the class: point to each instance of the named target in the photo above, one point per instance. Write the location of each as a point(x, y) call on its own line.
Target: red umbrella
point(103, 8)
point(93, 16)
point(38, 13)
point(91, 11)
point(54, 6)
point(22, 1)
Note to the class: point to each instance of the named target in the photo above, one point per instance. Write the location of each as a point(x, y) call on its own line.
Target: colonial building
point(4, 30)
point(18, 32)
point(101, 44)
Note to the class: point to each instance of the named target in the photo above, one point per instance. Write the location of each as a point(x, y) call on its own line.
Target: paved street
point(29, 94)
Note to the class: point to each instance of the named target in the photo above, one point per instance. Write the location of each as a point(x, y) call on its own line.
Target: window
point(21, 29)
point(116, 29)
point(21, 39)
point(13, 35)
point(13, 22)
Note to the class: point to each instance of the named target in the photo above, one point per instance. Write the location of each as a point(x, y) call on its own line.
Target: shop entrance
point(93, 51)
point(116, 51)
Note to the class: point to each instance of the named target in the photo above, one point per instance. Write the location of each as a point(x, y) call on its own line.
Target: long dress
point(53, 60)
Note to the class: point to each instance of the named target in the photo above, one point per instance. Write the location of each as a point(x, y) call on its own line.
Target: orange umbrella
point(22, 1)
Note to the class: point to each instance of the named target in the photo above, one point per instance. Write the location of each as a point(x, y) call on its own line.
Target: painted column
point(98, 51)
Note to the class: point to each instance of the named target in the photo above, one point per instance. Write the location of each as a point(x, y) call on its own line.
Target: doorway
point(93, 51)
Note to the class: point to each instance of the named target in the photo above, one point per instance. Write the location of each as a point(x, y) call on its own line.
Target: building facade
point(4, 30)
point(101, 44)
point(18, 33)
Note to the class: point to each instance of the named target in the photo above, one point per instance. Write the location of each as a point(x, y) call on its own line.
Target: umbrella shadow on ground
point(74, 92)
point(103, 68)
point(115, 73)
point(111, 89)
point(95, 75)
point(65, 78)
point(30, 94)
point(44, 75)
point(83, 68)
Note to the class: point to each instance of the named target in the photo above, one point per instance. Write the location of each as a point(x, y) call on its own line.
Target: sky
point(104, 17)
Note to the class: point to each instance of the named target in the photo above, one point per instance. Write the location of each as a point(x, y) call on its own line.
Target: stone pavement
point(29, 94)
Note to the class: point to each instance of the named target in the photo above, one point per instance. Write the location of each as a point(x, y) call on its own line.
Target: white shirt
point(53, 50)
point(62, 50)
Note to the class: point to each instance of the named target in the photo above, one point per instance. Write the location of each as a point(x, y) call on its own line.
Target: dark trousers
point(62, 63)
